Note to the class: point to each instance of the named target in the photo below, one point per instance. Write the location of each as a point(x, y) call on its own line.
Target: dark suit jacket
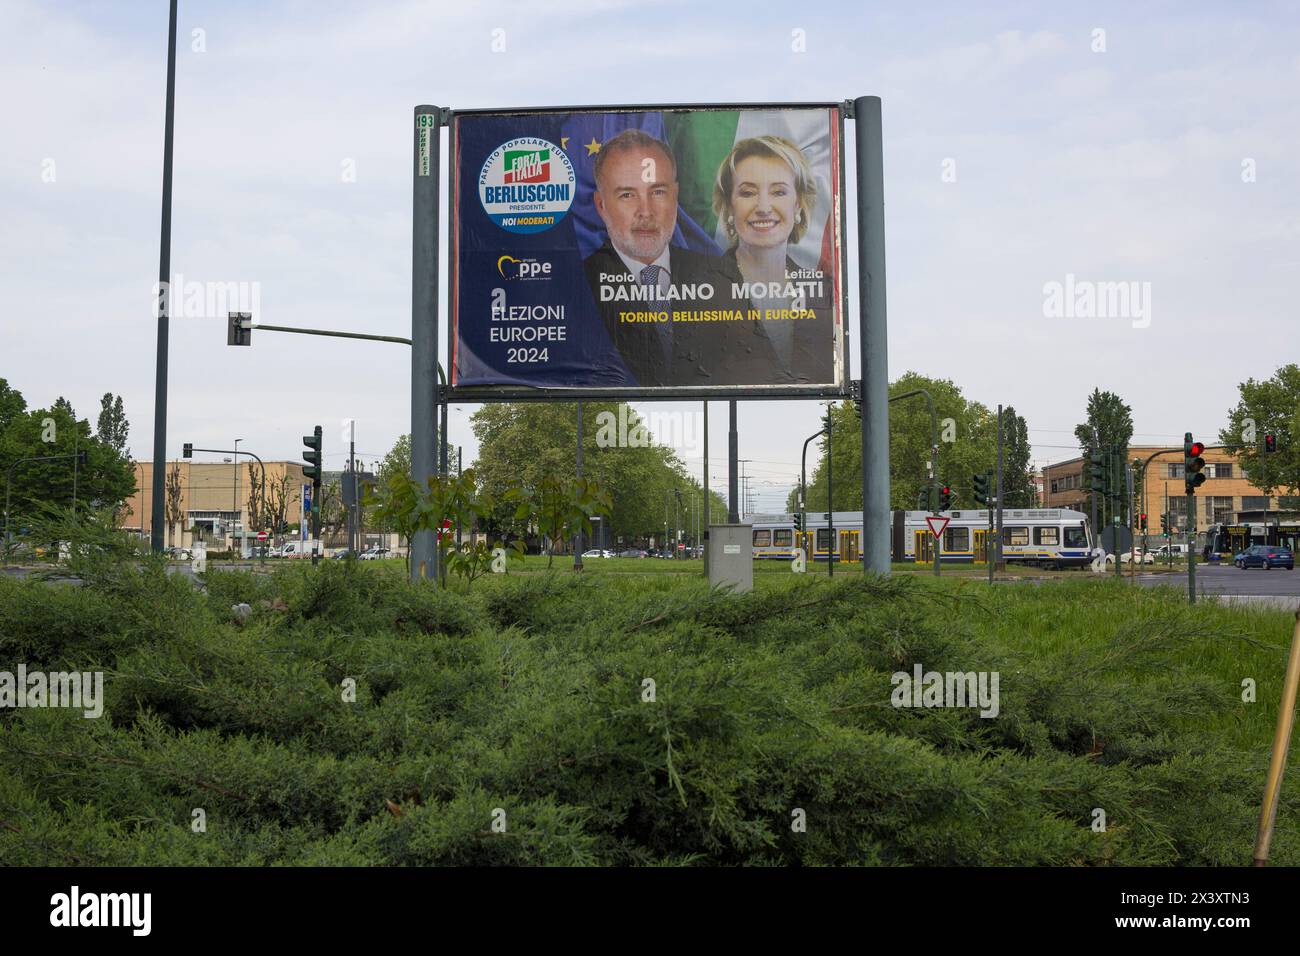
point(639, 343)
point(752, 358)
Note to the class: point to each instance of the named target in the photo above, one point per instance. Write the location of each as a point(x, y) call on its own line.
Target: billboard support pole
point(874, 355)
point(708, 504)
point(424, 320)
point(577, 537)
point(733, 452)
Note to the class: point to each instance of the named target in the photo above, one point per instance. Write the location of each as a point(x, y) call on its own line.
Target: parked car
point(597, 553)
point(179, 554)
point(633, 553)
point(344, 553)
point(374, 554)
point(1265, 556)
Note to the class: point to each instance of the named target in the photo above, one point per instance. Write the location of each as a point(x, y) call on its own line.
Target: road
point(1277, 588)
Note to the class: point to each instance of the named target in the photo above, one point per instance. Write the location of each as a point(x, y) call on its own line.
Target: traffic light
point(1164, 524)
point(923, 499)
point(236, 334)
point(188, 451)
point(1270, 444)
point(983, 488)
point(1193, 464)
point(945, 498)
point(798, 521)
point(1097, 470)
point(1142, 522)
point(312, 456)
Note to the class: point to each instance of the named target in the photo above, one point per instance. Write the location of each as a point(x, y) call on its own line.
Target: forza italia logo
point(527, 185)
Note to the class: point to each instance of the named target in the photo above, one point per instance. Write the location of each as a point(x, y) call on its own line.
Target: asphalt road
point(1278, 588)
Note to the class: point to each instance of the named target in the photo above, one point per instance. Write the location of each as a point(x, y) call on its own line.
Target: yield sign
point(937, 525)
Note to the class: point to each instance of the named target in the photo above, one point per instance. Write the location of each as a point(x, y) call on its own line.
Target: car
point(597, 553)
point(1136, 556)
point(374, 554)
point(344, 553)
point(633, 553)
point(179, 554)
point(1265, 556)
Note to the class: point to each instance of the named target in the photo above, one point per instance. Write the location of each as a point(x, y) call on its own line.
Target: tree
point(103, 482)
point(12, 405)
point(256, 497)
point(112, 428)
point(561, 507)
point(172, 499)
point(1018, 487)
point(1270, 407)
point(522, 444)
point(280, 493)
point(1109, 427)
point(967, 445)
point(333, 516)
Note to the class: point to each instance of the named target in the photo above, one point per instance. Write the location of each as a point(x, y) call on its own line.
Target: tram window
point(1016, 537)
point(762, 539)
point(823, 539)
point(783, 537)
point(1076, 538)
point(956, 539)
point(1047, 536)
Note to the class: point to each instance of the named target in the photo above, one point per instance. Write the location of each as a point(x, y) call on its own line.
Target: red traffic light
point(1270, 444)
point(1198, 449)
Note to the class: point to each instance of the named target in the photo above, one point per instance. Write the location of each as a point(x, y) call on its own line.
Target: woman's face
point(764, 201)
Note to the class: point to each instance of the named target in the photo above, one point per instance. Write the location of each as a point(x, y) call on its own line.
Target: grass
point(528, 694)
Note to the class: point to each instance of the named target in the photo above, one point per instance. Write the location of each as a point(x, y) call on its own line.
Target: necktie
point(663, 360)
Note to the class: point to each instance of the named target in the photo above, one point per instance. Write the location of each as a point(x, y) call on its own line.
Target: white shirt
point(635, 267)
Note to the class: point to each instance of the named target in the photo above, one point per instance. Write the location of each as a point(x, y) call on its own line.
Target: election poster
point(636, 250)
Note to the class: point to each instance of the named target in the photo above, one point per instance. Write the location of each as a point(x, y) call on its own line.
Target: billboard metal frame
point(871, 389)
point(486, 394)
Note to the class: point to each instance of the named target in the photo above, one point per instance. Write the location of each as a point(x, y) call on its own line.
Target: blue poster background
point(587, 358)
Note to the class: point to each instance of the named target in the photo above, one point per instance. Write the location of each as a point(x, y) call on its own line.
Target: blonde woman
point(764, 195)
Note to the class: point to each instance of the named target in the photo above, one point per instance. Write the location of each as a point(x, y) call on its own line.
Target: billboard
point(648, 251)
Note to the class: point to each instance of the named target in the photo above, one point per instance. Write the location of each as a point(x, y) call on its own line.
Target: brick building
point(1226, 496)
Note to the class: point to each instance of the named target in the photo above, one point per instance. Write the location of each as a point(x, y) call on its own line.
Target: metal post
point(708, 514)
point(872, 340)
point(76, 433)
point(577, 538)
point(733, 517)
point(998, 540)
point(164, 297)
point(989, 542)
point(235, 502)
point(351, 472)
point(831, 550)
point(424, 319)
point(1191, 548)
point(803, 495)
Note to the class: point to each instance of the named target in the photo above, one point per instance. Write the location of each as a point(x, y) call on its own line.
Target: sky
point(1156, 145)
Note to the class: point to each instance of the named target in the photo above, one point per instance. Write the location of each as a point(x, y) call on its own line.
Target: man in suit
point(636, 198)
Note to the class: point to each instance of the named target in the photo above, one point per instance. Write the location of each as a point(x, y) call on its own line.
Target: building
point(210, 501)
point(1226, 496)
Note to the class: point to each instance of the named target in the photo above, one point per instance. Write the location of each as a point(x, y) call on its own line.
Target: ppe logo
point(525, 269)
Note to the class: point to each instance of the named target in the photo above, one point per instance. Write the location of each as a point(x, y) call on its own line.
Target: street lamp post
point(234, 504)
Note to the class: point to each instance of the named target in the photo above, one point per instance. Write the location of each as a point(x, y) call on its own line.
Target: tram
point(1045, 537)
